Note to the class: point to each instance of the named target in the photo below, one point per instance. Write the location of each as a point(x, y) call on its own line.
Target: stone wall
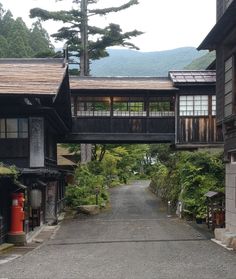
point(230, 191)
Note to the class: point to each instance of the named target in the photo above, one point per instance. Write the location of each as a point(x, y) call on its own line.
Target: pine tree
point(79, 34)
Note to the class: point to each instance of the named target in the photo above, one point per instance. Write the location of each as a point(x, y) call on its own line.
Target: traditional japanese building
point(34, 113)
point(179, 109)
point(40, 107)
point(222, 38)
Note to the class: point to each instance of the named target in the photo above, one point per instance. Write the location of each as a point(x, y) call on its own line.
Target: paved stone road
point(135, 240)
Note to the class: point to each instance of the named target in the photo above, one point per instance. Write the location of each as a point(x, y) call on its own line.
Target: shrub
point(188, 176)
point(84, 191)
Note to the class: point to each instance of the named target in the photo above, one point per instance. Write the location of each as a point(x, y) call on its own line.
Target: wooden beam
point(119, 138)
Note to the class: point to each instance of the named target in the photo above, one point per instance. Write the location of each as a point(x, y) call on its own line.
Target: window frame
point(191, 103)
point(18, 132)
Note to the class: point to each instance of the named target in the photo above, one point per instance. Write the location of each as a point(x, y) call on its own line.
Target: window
point(229, 90)
point(96, 106)
point(193, 105)
point(2, 128)
point(213, 100)
point(233, 157)
point(160, 108)
point(128, 107)
point(14, 128)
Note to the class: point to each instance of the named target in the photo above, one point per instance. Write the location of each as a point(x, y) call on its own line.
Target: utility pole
point(85, 149)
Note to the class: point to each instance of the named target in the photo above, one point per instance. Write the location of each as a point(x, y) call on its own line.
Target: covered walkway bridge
point(179, 109)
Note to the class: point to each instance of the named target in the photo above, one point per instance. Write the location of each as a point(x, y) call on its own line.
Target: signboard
point(36, 128)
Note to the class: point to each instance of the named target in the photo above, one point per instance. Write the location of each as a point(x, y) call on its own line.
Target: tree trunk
point(84, 59)
point(85, 153)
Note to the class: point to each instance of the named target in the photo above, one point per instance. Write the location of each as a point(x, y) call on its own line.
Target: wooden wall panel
point(198, 130)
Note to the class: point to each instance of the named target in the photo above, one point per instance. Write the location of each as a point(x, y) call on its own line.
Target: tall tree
point(3, 47)
point(40, 41)
point(17, 40)
point(88, 42)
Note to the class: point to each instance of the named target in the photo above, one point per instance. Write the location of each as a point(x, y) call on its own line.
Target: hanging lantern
point(35, 198)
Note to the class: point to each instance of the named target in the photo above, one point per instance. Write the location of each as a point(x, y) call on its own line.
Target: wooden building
point(34, 113)
point(179, 109)
point(40, 107)
point(195, 110)
point(222, 38)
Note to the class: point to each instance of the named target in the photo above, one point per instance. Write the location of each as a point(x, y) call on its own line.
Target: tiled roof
point(122, 83)
point(186, 77)
point(30, 76)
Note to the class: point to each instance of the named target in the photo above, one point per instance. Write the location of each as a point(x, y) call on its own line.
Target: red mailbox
point(17, 213)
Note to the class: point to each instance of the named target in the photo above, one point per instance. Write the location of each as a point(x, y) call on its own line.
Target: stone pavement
point(134, 240)
point(9, 252)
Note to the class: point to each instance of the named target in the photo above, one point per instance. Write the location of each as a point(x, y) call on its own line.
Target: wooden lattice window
point(194, 105)
point(229, 87)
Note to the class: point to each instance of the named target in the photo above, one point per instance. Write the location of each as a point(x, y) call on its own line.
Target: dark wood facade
point(134, 123)
point(199, 128)
point(33, 116)
point(140, 112)
point(222, 38)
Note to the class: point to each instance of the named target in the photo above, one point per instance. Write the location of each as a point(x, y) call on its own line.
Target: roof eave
point(220, 30)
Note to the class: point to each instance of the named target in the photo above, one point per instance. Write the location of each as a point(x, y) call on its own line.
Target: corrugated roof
point(121, 83)
point(30, 76)
point(186, 77)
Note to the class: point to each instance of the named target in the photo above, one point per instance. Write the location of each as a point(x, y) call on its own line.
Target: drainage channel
point(127, 241)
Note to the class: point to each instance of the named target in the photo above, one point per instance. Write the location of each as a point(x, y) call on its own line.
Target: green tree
point(19, 40)
point(39, 41)
point(6, 22)
point(3, 47)
point(85, 41)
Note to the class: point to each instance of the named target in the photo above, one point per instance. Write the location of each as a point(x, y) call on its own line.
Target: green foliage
point(9, 171)
point(40, 41)
point(84, 190)
point(199, 173)
point(17, 40)
point(111, 165)
point(186, 177)
point(76, 21)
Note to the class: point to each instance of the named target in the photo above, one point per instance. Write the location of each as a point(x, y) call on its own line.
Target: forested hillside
point(136, 63)
point(202, 62)
point(17, 40)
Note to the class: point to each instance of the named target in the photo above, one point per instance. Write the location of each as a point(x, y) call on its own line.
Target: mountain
point(124, 62)
point(202, 62)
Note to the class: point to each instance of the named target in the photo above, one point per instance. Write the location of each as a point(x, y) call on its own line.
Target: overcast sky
point(167, 24)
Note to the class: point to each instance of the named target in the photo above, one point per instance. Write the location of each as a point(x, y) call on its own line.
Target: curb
point(5, 246)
